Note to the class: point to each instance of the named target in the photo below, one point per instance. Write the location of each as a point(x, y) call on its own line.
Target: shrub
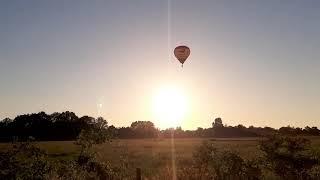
point(289, 157)
point(216, 164)
point(24, 161)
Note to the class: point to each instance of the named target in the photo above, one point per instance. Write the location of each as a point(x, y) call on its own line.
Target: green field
point(153, 155)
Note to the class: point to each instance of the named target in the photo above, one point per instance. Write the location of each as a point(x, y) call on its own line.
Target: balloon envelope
point(182, 53)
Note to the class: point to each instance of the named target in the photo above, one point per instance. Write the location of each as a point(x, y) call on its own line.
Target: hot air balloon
point(182, 53)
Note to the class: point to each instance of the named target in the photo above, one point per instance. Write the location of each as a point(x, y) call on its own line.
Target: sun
point(169, 107)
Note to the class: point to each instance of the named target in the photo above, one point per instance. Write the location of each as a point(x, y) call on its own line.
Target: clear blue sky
point(252, 62)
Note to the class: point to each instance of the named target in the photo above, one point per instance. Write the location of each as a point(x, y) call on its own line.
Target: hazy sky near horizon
point(252, 62)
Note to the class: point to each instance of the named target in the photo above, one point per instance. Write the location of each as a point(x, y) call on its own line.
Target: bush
point(216, 164)
point(24, 161)
point(289, 157)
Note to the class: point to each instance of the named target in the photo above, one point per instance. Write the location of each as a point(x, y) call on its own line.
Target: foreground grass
point(152, 155)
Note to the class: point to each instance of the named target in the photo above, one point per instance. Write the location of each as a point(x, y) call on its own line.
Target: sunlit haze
point(251, 62)
point(170, 106)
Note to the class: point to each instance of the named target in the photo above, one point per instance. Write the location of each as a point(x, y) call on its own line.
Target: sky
point(251, 63)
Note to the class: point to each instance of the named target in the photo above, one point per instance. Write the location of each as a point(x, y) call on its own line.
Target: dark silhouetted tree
point(217, 123)
point(144, 129)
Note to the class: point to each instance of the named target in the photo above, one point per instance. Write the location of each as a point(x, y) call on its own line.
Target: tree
point(240, 126)
point(314, 131)
point(97, 133)
point(288, 130)
point(144, 129)
point(217, 123)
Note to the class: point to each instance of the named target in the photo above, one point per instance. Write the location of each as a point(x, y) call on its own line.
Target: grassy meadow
point(152, 155)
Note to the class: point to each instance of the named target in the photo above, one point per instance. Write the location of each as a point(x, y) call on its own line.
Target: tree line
point(67, 126)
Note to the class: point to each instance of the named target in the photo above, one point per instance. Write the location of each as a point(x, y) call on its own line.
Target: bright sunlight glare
point(169, 106)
